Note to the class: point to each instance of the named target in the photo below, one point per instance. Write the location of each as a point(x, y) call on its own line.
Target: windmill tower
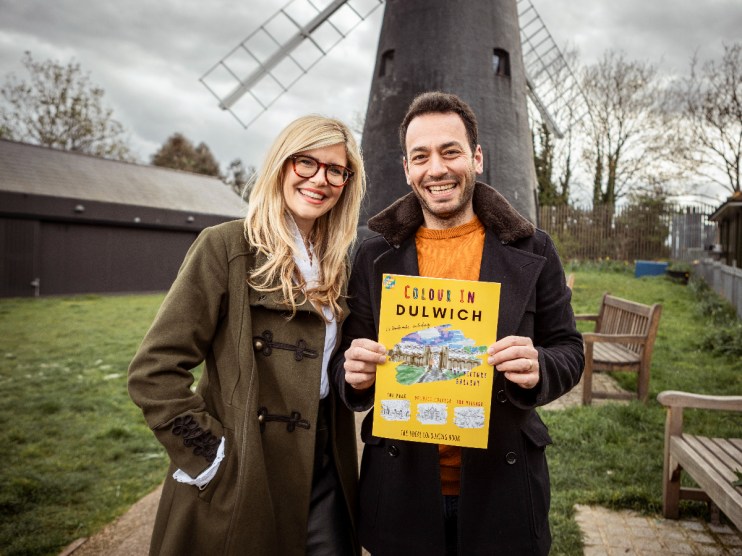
point(474, 48)
point(470, 48)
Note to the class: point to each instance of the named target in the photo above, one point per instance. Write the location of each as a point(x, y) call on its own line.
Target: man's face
point(441, 168)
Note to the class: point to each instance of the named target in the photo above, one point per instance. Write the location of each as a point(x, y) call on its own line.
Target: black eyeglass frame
point(321, 165)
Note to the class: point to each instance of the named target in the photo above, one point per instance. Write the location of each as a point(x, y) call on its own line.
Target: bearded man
point(418, 498)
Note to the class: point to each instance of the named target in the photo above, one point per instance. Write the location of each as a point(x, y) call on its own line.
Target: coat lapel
point(517, 271)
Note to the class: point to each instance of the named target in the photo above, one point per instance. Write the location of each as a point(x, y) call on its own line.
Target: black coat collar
point(401, 220)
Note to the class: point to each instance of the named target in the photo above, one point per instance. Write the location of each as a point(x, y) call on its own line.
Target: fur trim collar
point(401, 220)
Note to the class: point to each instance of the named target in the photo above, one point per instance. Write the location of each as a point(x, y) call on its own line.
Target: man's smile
point(441, 188)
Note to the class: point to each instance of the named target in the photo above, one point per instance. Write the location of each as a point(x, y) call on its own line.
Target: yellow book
point(436, 385)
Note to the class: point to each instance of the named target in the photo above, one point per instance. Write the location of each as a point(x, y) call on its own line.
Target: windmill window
point(501, 62)
point(387, 60)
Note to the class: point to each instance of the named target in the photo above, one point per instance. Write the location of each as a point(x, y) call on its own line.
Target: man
point(419, 498)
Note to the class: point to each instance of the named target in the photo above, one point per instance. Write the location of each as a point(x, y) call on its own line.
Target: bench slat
point(614, 353)
point(718, 488)
point(712, 455)
point(734, 452)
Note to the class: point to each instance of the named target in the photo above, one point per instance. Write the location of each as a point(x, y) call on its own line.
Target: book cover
point(436, 385)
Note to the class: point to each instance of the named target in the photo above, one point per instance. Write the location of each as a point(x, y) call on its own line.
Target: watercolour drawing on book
point(436, 385)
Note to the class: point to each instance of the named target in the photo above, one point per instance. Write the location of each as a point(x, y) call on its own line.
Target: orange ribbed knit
point(454, 253)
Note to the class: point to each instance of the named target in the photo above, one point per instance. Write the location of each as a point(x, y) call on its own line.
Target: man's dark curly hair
point(440, 103)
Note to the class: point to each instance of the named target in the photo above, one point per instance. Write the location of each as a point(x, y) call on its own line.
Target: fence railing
point(630, 232)
point(723, 279)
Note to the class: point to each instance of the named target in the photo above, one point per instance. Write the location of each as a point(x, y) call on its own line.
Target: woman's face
point(310, 198)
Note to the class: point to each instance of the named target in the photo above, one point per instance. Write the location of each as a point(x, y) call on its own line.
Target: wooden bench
point(623, 340)
point(712, 462)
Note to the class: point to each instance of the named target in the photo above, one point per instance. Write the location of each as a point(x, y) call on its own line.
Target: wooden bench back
point(621, 316)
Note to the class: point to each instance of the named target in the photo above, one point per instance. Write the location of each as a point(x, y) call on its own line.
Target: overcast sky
point(148, 56)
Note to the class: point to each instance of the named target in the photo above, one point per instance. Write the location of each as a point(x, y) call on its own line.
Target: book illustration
point(468, 417)
point(395, 410)
point(432, 413)
point(433, 354)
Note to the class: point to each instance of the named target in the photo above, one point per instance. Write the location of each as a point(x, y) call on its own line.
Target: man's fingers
point(517, 359)
point(366, 350)
point(369, 345)
point(361, 359)
point(512, 353)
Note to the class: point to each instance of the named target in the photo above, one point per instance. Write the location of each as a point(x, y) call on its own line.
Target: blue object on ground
point(649, 268)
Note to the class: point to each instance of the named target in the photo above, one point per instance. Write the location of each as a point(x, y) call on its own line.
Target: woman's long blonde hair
point(267, 228)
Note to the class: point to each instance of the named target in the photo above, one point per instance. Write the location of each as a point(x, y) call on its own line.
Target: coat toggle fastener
point(265, 345)
point(292, 421)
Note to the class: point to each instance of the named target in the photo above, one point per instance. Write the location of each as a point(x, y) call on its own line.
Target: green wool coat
point(259, 389)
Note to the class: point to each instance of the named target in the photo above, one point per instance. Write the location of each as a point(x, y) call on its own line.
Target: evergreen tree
point(179, 153)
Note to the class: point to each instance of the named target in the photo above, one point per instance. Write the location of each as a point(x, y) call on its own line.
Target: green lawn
point(78, 453)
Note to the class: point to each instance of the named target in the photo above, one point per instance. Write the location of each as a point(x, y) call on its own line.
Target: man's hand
point(517, 358)
point(361, 359)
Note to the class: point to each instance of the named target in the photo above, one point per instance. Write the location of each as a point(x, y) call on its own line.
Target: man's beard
point(467, 192)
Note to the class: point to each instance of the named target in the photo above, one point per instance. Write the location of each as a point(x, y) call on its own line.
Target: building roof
point(731, 206)
point(37, 170)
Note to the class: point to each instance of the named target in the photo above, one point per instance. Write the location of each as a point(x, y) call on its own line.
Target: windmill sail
point(272, 58)
point(286, 46)
point(489, 52)
point(553, 88)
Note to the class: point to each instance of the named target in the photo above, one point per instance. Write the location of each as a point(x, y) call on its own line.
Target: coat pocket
point(207, 493)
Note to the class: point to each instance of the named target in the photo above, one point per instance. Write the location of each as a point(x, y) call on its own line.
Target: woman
point(263, 457)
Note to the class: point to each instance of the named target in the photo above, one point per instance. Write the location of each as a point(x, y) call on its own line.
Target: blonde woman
point(263, 456)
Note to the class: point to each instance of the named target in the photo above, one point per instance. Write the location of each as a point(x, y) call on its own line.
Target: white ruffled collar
point(306, 265)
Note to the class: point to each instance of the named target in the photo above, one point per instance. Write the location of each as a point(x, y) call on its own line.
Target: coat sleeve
point(359, 324)
point(555, 336)
point(160, 375)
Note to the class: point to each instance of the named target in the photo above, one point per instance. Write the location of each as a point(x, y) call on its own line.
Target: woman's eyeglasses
point(307, 167)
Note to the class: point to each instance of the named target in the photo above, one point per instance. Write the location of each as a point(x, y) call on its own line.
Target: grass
point(78, 453)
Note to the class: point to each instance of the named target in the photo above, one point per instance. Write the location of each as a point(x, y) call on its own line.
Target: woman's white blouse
point(310, 271)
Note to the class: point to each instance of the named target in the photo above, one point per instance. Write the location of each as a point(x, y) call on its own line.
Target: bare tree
point(709, 135)
point(625, 147)
point(240, 178)
point(59, 107)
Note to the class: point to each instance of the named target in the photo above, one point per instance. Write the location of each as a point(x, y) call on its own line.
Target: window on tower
point(501, 62)
point(387, 60)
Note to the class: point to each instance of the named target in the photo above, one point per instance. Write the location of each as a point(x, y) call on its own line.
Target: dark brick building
point(73, 223)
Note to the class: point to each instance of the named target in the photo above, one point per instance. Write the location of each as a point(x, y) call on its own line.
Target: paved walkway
point(608, 533)
point(605, 532)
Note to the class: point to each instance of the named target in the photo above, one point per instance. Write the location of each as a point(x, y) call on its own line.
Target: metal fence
point(723, 279)
point(647, 231)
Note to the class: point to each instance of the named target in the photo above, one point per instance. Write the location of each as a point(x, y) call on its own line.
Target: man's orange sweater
point(454, 253)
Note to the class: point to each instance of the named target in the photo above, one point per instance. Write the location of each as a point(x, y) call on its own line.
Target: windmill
point(474, 48)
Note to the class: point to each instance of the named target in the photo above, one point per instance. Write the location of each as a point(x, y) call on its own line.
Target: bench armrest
point(675, 398)
point(587, 317)
point(599, 337)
